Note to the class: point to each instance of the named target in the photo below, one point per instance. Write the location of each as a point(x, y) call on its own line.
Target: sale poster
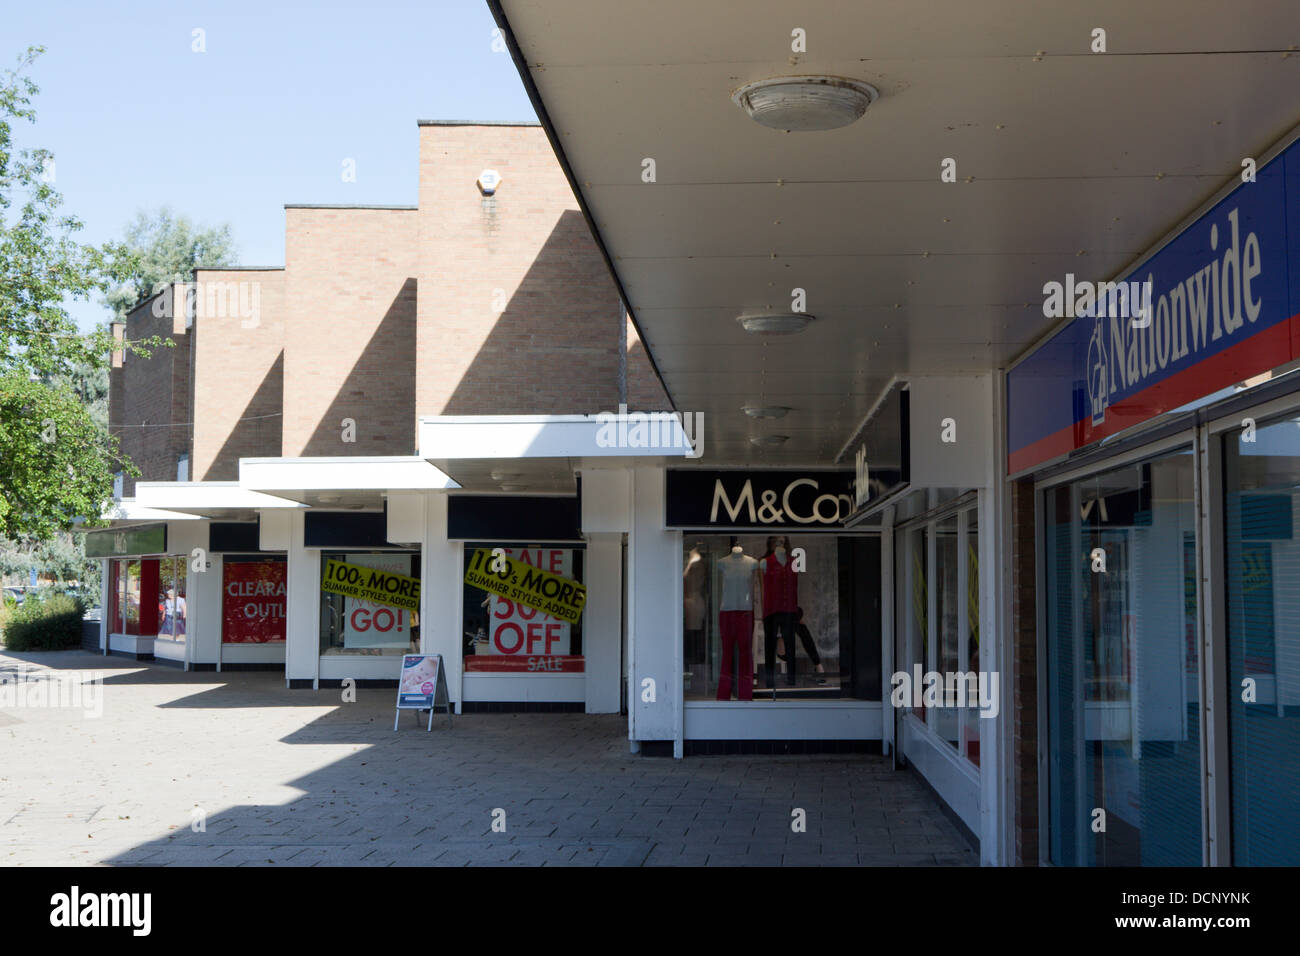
point(253, 602)
point(371, 624)
point(524, 639)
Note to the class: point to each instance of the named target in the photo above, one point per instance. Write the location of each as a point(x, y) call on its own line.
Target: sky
point(283, 93)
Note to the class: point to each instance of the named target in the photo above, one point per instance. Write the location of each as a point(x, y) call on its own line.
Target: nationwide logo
point(1184, 321)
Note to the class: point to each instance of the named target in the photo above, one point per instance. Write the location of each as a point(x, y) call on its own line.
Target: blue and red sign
point(1223, 307)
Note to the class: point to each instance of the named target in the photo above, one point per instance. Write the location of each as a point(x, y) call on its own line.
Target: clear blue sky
point(283, 94)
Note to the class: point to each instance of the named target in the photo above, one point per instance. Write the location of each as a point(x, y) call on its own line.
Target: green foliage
point(56, 461)
point(167, 249)
point(45, 622)
point(63, 556)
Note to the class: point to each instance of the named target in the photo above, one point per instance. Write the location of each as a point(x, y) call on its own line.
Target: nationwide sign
point(371, 584)
point(803, 500)
point(1222, 307)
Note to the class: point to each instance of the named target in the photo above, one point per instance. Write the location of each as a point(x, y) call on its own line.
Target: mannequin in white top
point(740, 583)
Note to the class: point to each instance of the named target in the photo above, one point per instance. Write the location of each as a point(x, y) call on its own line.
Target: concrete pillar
point(654, 616)
point(602, 621)
point(302, 607)
point(442, 594)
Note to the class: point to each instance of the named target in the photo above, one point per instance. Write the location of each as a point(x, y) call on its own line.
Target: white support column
point(602, 621)
point(302, 607)
point(654, 636)
point(441, 595)
point(203, 628)
point(105, 603)
point(606, 517)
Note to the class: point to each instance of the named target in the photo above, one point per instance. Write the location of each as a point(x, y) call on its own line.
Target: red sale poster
point(252, 602)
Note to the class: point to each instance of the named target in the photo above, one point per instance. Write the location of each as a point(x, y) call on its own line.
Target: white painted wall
point(654, 636)
point(606, 517)
point(203, 607)
point(302, 605)
point(441, 576)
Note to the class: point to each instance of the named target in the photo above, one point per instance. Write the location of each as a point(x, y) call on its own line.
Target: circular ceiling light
point(770, 439)
point(766, 411)
point(505, 475)
point(327, 499)
point(783, 323)
point(802, 103)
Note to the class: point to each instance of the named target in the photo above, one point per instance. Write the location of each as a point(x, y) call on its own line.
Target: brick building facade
point(464, 304)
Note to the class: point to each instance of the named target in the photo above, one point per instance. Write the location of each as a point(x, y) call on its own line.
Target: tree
point(168, 249)
point(56, 464)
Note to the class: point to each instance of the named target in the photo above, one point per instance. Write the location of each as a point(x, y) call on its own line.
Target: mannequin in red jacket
point(780, 604)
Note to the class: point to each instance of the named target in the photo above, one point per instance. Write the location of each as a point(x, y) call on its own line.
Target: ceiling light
point(509, 487)
point(505, 475)
point(784, 323)
point(770, 439)
point(801, 103)
point(328, 499)
point(766, 411)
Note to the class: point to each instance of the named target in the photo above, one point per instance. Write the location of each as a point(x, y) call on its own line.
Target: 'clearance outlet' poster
point(252, 602)
point(522, 638)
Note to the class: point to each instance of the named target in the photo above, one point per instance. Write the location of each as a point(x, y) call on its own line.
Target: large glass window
point(1262, 589)
point(772, 617)
point(147, 597)
point(253, 599)
point(376, 624)
point(1123, 707)
point(940, 682)
point(506, 636)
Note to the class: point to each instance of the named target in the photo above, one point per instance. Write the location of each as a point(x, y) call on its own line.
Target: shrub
point(50, 622)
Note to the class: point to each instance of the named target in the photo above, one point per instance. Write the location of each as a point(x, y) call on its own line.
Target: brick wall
point(349, 329)
point(1024, 625)
point(468, 306)
point(238, 344)
point(517, 311)
point(149, 398)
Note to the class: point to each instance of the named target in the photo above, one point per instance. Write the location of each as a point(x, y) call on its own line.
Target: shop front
point(780, 611)
point(1161, 455)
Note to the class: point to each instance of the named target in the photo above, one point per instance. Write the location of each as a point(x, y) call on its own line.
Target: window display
point(504, 635)
point(147, 597)
point(369, 603)
point(253, 599)
point(753, 599)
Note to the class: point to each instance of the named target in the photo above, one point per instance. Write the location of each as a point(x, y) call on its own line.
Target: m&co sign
point(802, 500)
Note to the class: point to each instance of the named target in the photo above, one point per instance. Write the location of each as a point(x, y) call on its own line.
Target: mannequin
point(780, 601)
point(736, 621)
point(694, 578)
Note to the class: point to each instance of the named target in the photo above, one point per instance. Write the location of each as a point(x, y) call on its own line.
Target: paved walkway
point(300, 778)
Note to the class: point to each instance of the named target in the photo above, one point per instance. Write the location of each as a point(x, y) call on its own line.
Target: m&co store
point(1155, 466)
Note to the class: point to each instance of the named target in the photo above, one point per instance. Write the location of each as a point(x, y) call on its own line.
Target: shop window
point(762, 623)
point(1261, 475)
point(253, 599)
point(506, 636)
point(971, 638)
point(1122, 667)
point(147, 597)
point(380, 623)
point(946, 720)
point(939, 613)
point(173, 609)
